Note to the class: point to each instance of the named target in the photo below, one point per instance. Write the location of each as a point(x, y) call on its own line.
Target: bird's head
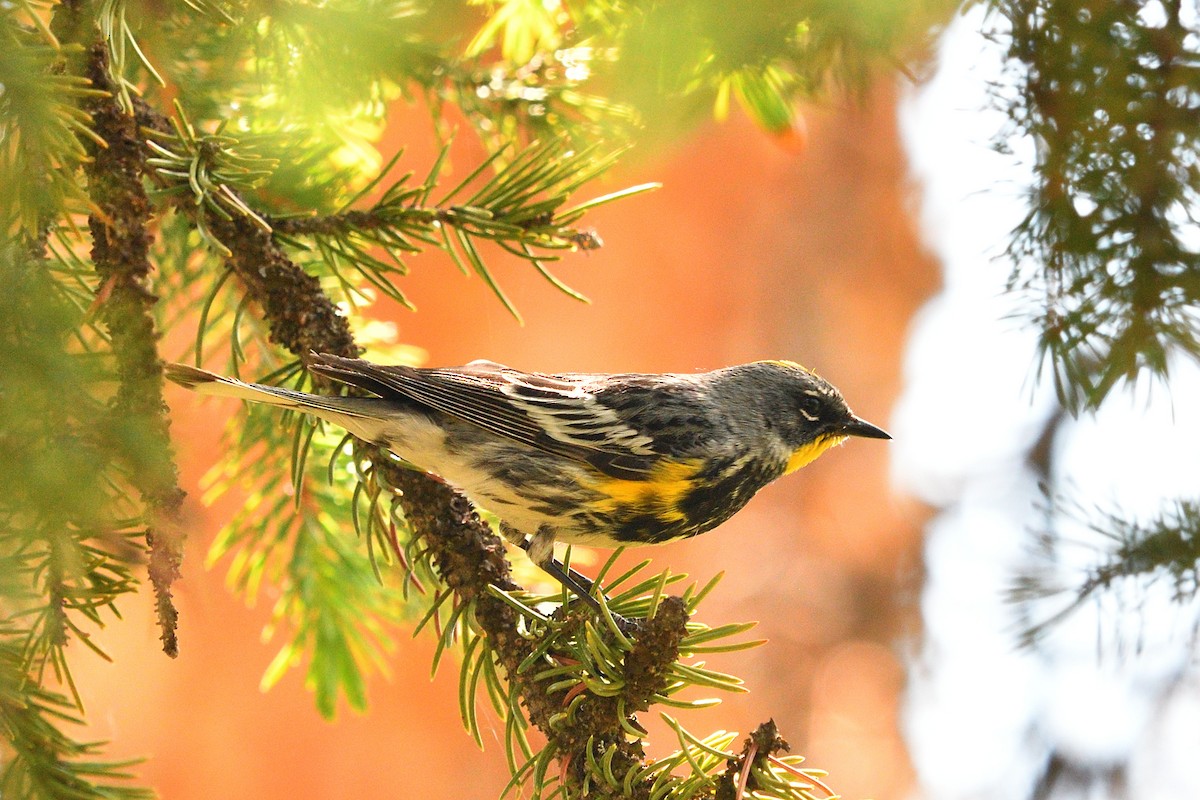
point(801, 411)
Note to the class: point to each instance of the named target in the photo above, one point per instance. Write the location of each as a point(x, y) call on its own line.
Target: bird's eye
point(810, 407)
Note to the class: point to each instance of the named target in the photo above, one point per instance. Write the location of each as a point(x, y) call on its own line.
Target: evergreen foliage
point(1110, 92)
point(1108, 255)
point(211, 166)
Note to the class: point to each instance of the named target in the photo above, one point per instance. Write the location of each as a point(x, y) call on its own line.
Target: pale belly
point(526, 488)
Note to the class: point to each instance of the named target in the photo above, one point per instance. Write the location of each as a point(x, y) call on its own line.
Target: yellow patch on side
point(805, 455)
point(660, 494)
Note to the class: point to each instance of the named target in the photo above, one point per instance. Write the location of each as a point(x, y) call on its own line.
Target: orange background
point(751, 250)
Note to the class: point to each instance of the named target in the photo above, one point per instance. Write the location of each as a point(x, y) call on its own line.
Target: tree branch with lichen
point(120, 252)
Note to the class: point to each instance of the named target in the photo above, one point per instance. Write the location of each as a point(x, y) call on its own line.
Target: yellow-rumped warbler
point(603, 460)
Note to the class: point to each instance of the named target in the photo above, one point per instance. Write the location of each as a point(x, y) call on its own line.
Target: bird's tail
point(340, 410)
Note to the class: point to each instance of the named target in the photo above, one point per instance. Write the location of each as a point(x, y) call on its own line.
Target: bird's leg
point(570, 579)
point(580, 584)
point(541, 552)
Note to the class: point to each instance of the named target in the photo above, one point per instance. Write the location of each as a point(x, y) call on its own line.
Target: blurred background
point(864, 245)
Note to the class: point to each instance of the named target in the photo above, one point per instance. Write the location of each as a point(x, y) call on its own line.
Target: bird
point(605, 460)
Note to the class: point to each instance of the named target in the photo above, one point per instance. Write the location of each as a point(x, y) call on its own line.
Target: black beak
point(860, 427)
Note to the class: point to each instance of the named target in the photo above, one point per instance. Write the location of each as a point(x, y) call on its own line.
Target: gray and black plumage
point(603, 460)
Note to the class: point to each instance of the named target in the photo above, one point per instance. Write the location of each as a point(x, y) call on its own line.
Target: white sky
point(982, 715)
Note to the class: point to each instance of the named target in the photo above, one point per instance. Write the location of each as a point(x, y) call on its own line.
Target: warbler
point(592, 459)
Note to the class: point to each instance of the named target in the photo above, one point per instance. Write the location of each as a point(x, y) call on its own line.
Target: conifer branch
point(301, 316)
point(67, 525)
point(1105, 253)
point(471, 559)
point(1164, 548)
point(43, 762)
point(120, 253)
point(1106, 259)
point(42, 127)
point(520, 209)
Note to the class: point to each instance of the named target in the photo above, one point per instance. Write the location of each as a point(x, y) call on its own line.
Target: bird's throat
point(806, 454)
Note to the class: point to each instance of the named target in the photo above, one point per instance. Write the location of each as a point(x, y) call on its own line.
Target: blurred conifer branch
point(1108, 250)
point(668, 62)
point(43, 128)
point(1112, 561)
point(72, 530)
point(42, 761)
point(1107, 257)
point(223, 158)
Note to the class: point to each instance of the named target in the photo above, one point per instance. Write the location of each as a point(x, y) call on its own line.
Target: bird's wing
point(568, 415)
